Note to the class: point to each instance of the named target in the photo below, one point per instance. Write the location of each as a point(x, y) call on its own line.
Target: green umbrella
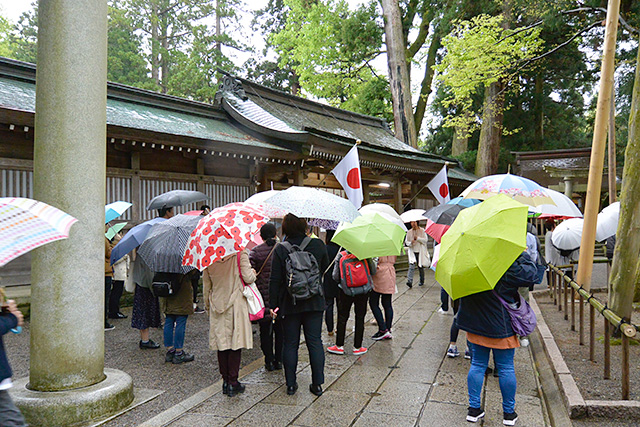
point(371, 235)
point(481, 245)
point(112, 231)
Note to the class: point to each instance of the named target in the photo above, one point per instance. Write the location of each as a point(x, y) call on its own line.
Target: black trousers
point(107, 294)
point(453, 334)
point(311, 322)
point(344, 308)
point(270, 333)
point(195, 281)
point(328, 313)
point(114, 299)
point(384, 322)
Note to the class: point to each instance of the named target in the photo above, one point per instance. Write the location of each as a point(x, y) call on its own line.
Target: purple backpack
point(523, 319)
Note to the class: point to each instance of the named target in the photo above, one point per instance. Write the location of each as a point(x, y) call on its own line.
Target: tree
point(625, 270)
point(330, 48)
point(125, 61)
point(483, 53)
point(399, 81)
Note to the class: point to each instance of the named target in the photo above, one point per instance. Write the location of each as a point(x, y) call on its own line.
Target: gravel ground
point(589, 375)
point(147, 367)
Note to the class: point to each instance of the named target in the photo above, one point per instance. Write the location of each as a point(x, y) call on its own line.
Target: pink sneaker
point(336, 350)
point(359, 351)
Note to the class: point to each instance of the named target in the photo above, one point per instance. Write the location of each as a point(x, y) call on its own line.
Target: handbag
point(129, 284)
point(523, 319)
point(253, 296)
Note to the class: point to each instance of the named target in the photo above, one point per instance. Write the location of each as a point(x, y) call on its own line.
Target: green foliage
point(480, 52)
point(330, 49)
point(24, 46)
point(6, 39)
point(125, 61)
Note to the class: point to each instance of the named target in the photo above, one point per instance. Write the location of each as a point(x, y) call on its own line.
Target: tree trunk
point(218, 27)
point(624, 279)
point(425, 89)
point(404, 125)
point(460, 142)
point(155, 45)
point(491, 130)
point(164, 62)
point(538, 112)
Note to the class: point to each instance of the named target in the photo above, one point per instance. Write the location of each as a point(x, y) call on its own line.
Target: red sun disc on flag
point(353, 178)
point(444, 190)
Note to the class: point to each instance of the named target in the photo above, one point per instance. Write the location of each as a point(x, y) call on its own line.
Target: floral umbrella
point(225, 231)
point(518, 188)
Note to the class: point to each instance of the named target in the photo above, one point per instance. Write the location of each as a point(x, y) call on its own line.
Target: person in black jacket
point(10, 415)
point(260, 258)
point(330, 284)
point(488, 327)
point(306, 314)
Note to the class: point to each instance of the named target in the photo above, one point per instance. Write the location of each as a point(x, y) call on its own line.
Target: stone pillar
point(568, 187)
point(67, 382)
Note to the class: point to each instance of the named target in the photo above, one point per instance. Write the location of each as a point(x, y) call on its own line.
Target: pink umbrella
point(436, 230)
point(225, 231)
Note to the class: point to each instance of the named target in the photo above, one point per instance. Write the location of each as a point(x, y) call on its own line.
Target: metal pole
point(598, 147)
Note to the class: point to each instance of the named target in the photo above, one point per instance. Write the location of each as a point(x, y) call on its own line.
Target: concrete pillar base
point(69, 407)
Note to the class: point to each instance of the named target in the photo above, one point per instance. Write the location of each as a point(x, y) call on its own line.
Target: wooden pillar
point(298, 177)
point(135, 187)
point(397, 196)
point(365, 192)
point(200, 172)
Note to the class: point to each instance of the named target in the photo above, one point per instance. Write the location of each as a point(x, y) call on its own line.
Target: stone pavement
point(406, 381)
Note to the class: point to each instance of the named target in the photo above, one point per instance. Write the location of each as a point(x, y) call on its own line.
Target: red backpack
point(354, 273)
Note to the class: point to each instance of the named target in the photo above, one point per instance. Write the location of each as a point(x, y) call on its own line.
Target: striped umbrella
point(164, 246)
point(26, 224)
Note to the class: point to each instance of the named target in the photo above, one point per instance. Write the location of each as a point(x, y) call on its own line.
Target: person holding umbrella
point(417, 251)
point(488, 327)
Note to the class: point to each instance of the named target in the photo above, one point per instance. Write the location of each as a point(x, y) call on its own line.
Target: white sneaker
point(524, 342)
point(441, 311)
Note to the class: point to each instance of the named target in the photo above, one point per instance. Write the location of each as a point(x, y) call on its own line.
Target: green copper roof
point(20, 95)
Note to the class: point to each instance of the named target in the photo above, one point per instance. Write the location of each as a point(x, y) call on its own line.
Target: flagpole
point(327, 175)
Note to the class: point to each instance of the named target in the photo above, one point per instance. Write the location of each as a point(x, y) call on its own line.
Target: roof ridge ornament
point(231, 85)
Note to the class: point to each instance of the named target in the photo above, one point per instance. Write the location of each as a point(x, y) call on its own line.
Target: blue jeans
point(503, 360)
point(412, 268)
point(174, 328)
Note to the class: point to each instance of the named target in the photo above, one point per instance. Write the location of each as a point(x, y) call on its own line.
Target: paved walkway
point(406, 381)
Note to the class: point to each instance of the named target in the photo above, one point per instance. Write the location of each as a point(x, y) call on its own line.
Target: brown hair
point(293, 226)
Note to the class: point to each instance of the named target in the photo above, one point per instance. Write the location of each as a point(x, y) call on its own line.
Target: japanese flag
point(439, 186)
point(347, 172)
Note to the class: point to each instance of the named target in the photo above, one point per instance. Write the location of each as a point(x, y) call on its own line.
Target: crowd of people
point(332, 282)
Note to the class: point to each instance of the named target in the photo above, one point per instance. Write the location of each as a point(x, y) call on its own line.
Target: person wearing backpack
point(295, 291)
point(356, 282)
point(260, 258)
point(489, 329)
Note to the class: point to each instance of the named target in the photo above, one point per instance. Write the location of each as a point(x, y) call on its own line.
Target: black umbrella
point(443, 214)
point(176, 198)
point(165, 244)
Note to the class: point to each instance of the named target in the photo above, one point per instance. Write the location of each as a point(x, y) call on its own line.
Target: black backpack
point(166, 284)
point(303, 273)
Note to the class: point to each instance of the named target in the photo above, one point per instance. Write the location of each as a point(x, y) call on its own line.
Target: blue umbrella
point(465, 203)
point(133, 239)
point(114, 210)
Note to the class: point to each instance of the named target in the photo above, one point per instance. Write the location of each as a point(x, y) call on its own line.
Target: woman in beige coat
point(384, 286)
point(230, 328)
